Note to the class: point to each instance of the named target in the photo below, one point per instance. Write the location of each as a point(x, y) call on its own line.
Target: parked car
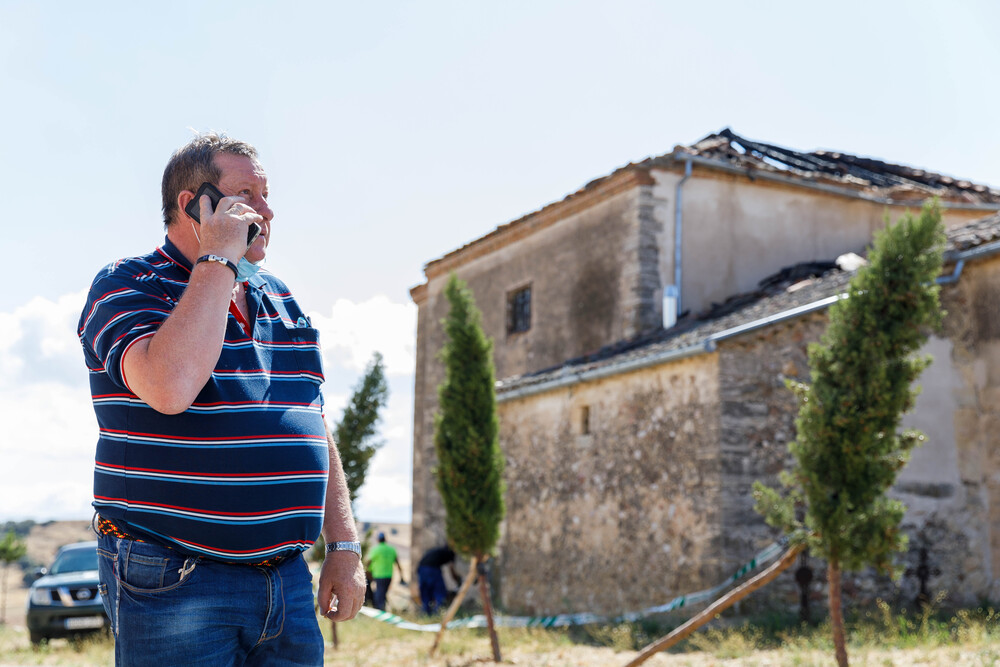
point(66, 600)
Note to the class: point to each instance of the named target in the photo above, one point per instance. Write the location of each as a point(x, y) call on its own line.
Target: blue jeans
point(381, 592)
point(167, 610)
point(433, 592)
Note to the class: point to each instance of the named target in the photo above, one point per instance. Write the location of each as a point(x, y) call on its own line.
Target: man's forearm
point(342, 579)
point(338, 519)
point(169, 369)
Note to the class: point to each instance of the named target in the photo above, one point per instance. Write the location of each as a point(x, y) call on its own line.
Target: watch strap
point(220, 260)
point(344, 546)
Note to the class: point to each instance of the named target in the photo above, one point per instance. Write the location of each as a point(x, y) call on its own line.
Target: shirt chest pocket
point(304, 342)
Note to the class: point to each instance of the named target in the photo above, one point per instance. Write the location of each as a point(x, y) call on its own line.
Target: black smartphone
point(193, 209)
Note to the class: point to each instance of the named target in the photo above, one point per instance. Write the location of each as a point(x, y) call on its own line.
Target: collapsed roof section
point(883, 180)
point(839, 173)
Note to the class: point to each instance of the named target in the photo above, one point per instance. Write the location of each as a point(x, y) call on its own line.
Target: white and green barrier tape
point(479, 621)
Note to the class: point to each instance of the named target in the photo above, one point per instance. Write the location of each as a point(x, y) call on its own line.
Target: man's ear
point(183, 197)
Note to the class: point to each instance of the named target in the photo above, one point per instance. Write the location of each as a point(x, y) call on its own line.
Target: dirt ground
point(405, 649)
point(584, 656)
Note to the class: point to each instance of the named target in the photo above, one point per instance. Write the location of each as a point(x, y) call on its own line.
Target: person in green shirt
point(380, 561)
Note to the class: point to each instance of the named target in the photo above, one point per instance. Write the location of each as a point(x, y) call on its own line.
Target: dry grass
point(971, 639)
point(880, 638)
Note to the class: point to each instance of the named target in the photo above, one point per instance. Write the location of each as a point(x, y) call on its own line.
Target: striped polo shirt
point(240, 475)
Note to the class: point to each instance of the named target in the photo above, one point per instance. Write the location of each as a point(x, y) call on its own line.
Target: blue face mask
point(245, 270)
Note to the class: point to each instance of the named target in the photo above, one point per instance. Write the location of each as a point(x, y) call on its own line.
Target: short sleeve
point(120, 311)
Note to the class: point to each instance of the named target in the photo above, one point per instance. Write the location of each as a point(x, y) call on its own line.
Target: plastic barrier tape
point(479, 621)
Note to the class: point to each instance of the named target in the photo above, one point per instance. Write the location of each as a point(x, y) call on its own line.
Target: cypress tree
point(470, 465)
point(355, 432)
point(847, 450)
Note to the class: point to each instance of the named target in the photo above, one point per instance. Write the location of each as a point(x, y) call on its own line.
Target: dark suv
point(66, 600)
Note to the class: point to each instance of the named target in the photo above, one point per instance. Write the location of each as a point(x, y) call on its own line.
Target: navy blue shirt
point(241, 474)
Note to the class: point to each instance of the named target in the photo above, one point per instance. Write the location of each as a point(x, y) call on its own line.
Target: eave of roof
point(974, 240)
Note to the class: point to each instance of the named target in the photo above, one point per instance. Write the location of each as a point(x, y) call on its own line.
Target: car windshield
point(75, 560)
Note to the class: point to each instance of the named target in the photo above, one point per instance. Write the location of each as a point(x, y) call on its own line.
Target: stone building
point(643, 329)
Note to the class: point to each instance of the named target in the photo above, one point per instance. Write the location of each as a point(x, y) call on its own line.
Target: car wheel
point(36, 637)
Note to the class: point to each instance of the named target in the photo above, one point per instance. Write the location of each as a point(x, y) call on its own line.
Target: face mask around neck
point(245, 269)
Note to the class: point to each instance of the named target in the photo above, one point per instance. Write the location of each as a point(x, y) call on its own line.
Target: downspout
point(673, 292)
point(959, 257)
point(955, 274)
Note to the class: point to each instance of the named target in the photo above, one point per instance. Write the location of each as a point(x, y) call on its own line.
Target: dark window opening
point(519, 310)
point(585, 420)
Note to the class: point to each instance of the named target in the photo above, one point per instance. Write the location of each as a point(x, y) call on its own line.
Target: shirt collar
point(171, 252)
point(174, 254)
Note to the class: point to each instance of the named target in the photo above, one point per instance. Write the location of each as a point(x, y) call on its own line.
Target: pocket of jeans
point(150, 573)
point(110, 556)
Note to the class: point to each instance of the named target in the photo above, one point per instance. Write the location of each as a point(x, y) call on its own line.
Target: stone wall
point(757, 424)
point(954, 496)
point(618, 513)
point(579, 284)
point(951, 486)
point(626, 491)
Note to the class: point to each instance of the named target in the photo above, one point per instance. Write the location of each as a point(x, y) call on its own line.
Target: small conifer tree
point(470, 464)
point(847, 450)
point(355, 432)
point(12, 549)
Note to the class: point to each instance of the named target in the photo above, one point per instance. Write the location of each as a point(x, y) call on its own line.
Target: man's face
point(246, 178)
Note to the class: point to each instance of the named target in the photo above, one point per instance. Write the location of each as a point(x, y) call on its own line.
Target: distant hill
point(44, 539)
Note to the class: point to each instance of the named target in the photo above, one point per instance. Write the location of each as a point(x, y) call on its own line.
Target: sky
point(395, 132)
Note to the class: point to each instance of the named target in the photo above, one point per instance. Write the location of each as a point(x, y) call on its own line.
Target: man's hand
point(224, 232)
point(341, 586)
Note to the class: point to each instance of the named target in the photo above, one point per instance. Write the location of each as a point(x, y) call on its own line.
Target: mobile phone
point(193, 209)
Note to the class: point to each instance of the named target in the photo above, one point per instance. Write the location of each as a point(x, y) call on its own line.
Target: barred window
point(519, 310)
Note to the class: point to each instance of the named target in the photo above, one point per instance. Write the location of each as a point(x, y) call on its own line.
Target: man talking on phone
point(215, 469)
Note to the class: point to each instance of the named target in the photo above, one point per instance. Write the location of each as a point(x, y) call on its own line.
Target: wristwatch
point(344, 546)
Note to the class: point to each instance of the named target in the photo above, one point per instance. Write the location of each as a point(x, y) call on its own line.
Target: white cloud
point(38, 341)
point(350, 335)
point(384, 498)
point(49, 429)
point(48, 451)
point(50, 432)
point(352, 332)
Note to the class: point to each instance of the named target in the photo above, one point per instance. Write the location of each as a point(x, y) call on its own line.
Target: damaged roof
point(842, 173)
point(790, 293)
point(974, 234)
point(884, 180)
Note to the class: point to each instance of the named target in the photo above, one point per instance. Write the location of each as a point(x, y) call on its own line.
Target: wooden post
point(836, 613)
point(455, 604)
point(718, 607)
point(484, 591)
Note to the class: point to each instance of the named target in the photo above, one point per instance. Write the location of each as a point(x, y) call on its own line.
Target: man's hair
point(193, 164)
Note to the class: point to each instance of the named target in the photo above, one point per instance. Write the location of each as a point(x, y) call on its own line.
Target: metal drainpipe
point(678, 236)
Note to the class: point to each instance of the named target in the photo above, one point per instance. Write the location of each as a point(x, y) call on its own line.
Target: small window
point(585, 420)
point(519, 310)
